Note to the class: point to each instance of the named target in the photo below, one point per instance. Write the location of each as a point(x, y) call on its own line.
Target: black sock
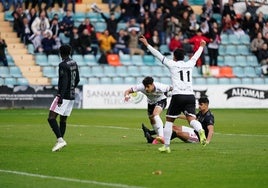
point(62, 128)
point(152, 132)
point(54, 126)
point(173, 135)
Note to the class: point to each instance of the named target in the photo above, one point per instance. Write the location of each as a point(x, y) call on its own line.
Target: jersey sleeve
point(197, 54)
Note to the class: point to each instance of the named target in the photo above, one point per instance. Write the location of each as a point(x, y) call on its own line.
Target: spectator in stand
point(67, 23)
point(255, 30)
point(31, 15)
point(256, 44)
point(60, 4)
point(195, 40)
point(129, 10)
point(175, 42)
point(194, 25)
point(159, 22)
point(228, 9)
point(185, 6)
point(86, 24)
point(133, 45)
point(265, 28)
point(86, 43)
point(111, 23)
point(75, 41)
point(154, 41)
point(48, 43)
point(55, 28)
point(213, 46)
point(207, 10)
point(262, 56)
point(173, 26)
point(238, 31)
point(26, 31)
point(17, 22)
point(122, 40)
point(252, 7)
point(217, 6)
point(185, 23)
point(146, 26)
point(228, 25)
point(247, 23)
point(39, 26)
point(265, 37)
point(66, 2)
point(174, 9)
point(3, 47)
point(106, 42)
point(260, 19)
point(113, 4)
point(151, 6)
point(132, 24)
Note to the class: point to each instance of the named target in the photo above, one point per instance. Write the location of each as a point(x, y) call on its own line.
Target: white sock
point(60, 139)
point(196, 125)
point(167, 132)
point(158, 126)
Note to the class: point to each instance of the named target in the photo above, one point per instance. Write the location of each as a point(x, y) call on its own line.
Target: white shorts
point(193, 138)
point(64, 109)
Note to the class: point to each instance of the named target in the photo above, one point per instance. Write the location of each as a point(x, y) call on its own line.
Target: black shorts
point(162, 104)
point(181, 103)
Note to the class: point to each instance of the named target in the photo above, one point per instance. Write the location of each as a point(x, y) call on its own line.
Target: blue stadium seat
point(2, 81)
point(212, 81)
point(130, 80)
point(49, 71)
point(30, 48)
point(217, 17)
point(118, 80)
point(247, 81)
point(84, 71)
point(148, 60)
point(8, 16)
point(164, 49)
point(233, 39)
point(10, 81)
point(121, 25)
point(121, 71)
point(259, 81)
point(105, 80)
point(239, 72)
point(200, 81)
point(53, 60)
point(10, 59)
point(243, 50)
point(220, 60)
point(145, 71)
point(252, 60)
point(250, 72)
point(64, 39)
point(79, 59)
point(165, 80)
point(224, 39)
point(83, 81)
point(4, 72)
point(235, 81)
point(22, 82)
point(133, 71)
point(79, 16)
point(100, 26)
point(258, 71)
point(54, 81)
point(93, 80)
point(224, 81)
point(109, 71)
point(196, 72)
point(90, 59)
point(266, 80)
point(41, 59)
point(231, 50)
point(93, 16)
point(229, 60)
point(241, 60)
point(15, 72)
point(245, 39)
point(97, 71)
point(136, 60)
point(125, 59)
point(222, 49)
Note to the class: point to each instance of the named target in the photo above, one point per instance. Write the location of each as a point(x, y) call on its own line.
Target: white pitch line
point(126, 128)
point(67, 179)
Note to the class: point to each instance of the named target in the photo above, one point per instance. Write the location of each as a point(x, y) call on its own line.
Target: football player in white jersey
point(183, 98)
point(157, 101)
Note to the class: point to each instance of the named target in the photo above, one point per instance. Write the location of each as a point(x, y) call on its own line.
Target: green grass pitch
point(106, 148)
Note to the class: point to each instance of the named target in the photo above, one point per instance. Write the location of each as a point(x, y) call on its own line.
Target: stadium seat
point(90, 59)
point(15, 72)
point(93, 16)
point(41, 59)
point(133, 71)
point(245, 39)
point(212, 81)
point(130, 80)
point(136, 60)
point(258, 81)
point(233, 39)
point(229, 60)
point(79, 59)
point(200, 81)
point(222, 49)
point(231, 50)
point(165, 80)
point(2, 81)
point(164, 49)
point(235, 81)
point(113, 60)
point(157, 71)
point(49, 71)
point(196, 72)
point(4, 72)
point(22, 81)
point(242, 50)
point(220, 60)
point(224, 39)
point(54, 81)
point(93, 80)
point(258, 71)
point(109, 71)
point(83, 81)
point(121, 71)
point(10, 81)
point(30, 48)
point(64, 39)
point(224, 81)
point(121, 25)
point(10, 60)
point(241, 60)
point(8, 16)
point(148, 60)
point(226, 71)
point(84, 71)
point(266, 80)
point(105, 80)
point(97, 71)
point(252, 60)
point(100, 26)
point(217, 17)
point(125, 59)
point(53, 60)
point(239, 72)
point(79, 16)
point(250, 72)
point(247, 81)
point(118, 80)
point(145, 71)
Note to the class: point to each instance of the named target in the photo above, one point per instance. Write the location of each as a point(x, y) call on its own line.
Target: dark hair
point(203, 100)
point(178, 54)
point(65, 50)
point(147, 80)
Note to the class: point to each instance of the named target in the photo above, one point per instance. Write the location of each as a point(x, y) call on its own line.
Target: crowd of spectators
point(171, 22)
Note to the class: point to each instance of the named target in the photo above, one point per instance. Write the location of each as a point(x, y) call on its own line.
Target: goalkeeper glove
point(59, 100)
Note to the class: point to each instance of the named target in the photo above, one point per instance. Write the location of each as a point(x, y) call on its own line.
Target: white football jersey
point(156, 95)
point(181, 71)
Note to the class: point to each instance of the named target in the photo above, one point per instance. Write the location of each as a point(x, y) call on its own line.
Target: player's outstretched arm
point(198, 53)
point(126, 94)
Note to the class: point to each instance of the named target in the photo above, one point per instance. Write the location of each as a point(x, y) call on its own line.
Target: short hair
point(203, 100)
point(65, 50)
point(178, 54)
point(147, 80)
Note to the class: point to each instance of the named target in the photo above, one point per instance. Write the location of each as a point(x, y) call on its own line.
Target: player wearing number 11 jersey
point(183, 99)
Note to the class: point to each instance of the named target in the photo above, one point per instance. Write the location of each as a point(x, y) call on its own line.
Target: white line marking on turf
point(126, 128)
point(67, 179)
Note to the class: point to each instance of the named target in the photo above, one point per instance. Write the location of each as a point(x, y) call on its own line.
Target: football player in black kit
point(63, 102)
point(188, 134)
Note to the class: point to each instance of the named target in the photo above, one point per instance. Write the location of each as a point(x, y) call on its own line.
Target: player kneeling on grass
point(63, 103)
point(157, 101)
point(188, 134)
